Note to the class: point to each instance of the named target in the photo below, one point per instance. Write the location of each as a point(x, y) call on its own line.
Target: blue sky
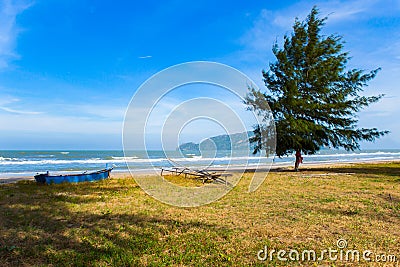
point(68, 69)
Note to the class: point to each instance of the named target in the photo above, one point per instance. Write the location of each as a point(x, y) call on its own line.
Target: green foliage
point(312, 97)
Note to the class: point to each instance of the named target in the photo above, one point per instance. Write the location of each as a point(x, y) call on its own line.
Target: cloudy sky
point(68, 69)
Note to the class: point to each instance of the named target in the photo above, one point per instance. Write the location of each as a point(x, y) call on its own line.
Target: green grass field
point(114, 222)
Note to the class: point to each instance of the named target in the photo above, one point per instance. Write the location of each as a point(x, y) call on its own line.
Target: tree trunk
point(299, 159)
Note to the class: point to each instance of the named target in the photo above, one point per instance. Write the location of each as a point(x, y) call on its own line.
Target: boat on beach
point(46, 178)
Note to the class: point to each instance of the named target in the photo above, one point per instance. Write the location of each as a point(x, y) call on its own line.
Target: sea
point(28, 163)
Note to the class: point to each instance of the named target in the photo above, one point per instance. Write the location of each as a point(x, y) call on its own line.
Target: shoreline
point(275, 166)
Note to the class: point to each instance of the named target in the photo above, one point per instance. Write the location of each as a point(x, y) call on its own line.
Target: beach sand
point(274, 167)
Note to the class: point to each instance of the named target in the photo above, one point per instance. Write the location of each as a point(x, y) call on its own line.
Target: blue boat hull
point(45, 178)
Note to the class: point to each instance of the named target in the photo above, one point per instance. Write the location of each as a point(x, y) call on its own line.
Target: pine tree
point(311, 95)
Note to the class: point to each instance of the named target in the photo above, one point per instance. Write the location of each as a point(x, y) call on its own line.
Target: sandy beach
point(274, 167)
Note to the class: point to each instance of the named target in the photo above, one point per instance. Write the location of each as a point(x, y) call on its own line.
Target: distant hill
point(189, 147)
point(237, 141)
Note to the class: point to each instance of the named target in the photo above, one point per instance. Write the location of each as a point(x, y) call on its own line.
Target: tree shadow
point(38, 227)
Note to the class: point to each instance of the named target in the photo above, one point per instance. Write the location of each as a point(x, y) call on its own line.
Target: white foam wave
point(125, 158)
point(198, 159)
point(8, 159)
point(15, 161)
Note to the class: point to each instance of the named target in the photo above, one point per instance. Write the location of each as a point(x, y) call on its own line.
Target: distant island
point(237, 141)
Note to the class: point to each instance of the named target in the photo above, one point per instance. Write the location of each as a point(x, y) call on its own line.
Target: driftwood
point(204, 175)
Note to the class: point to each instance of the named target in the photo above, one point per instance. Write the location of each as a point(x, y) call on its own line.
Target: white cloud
point(45, 123)
point(339, 11)
point(7, 101)
point(56, 126)
point(271, 25)
point(97, 110)
point(20, 112)
point(9, 30)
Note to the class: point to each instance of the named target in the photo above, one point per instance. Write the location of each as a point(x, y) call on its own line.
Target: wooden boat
point(46, 178)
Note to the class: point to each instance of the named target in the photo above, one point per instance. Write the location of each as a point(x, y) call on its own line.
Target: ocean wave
point(52, 161)
point(198, 159)
point(124, 158)
point(15, 161)
point(8, 159)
